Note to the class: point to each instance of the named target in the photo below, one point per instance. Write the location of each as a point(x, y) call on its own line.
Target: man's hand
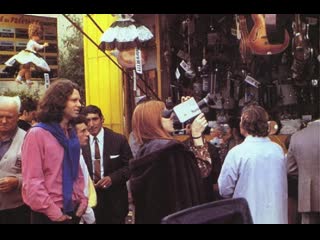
point(104, 183)
point(7, 184)
point(63, 218)
point(81, 210)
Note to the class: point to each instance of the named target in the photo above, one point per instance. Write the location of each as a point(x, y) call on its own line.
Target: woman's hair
point(254, 120)
point(53, 103)
point(35, 29)
point(146, 122)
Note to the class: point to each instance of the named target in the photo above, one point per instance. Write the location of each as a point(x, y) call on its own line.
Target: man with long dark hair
point(53, 181)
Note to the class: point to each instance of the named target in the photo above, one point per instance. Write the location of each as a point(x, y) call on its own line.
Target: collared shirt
point(24, 125)
point(5, 144)
point(4, 147)
point(100, 138)
point(42, 160)
point(88, 217)
point(256, 171)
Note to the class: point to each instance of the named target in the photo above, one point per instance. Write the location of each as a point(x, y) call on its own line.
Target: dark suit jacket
point(115, 198)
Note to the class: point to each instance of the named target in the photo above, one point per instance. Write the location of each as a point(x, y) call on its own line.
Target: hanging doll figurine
point(29, 56)
point(125, 33)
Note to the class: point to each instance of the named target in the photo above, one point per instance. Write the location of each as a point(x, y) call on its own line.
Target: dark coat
point(112, 204)
point(164, 179)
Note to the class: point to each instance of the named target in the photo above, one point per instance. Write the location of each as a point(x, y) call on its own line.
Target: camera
point(188, 110)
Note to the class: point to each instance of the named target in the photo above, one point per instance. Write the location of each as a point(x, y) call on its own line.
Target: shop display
point(268, 59)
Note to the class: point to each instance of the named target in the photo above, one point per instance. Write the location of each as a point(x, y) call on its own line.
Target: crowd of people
point(59, 164)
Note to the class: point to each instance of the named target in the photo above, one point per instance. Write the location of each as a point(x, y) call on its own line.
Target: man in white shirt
point(256, 170)
point(107, 156)
point(80, 124)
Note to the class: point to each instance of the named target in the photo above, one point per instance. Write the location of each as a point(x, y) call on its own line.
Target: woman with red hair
point(165, 177)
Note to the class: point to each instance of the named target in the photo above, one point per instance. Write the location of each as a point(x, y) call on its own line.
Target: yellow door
point(103, 79)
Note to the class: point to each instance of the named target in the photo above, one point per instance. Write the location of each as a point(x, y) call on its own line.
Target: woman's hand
point(46, 44)
point(199, 125)
point(183, 98)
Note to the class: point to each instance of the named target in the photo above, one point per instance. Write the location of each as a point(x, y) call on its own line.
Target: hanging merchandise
point(302, 51)
point(218, 45)
point(125, 33)
point(123, 37)
point(258, 39)
point(205, 76)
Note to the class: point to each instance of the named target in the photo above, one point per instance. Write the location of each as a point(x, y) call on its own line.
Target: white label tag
point(186, 67)
point(252, 81)
point(187, 110)
point(138, 61)
point(177, 74)
point(46, 81)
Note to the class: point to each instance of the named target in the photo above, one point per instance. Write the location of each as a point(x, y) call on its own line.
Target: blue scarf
point(70, 160)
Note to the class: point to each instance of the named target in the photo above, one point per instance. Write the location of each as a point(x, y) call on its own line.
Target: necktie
point(97, 163)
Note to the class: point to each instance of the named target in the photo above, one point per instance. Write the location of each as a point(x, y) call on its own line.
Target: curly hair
point(254, 120)
point(53, 103)
point(35, 29)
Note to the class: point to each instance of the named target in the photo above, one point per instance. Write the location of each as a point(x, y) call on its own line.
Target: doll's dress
point(124, 34)
point(29, 55)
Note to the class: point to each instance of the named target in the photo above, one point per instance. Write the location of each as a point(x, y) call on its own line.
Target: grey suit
point(10, 166)
point(12, 208)
point(304, 160)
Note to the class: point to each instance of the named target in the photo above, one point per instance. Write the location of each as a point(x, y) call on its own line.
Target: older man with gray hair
point(12, 208)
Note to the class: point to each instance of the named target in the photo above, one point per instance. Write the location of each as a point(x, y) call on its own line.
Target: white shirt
point(88, 216)
point(100, 138)
point(256, 171)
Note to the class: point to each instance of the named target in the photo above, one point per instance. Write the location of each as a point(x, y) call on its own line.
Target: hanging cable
point(95, 23)
point(124, 71)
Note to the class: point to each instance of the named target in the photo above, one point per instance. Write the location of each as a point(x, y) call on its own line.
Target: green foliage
point(35, 95)
point(71, 65)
